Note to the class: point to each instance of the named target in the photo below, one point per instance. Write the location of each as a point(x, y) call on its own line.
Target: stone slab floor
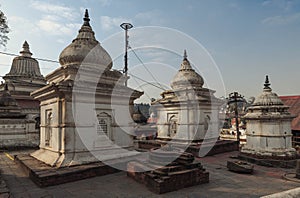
point(223, 183)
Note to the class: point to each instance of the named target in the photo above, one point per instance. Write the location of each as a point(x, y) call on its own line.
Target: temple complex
point(269, 138)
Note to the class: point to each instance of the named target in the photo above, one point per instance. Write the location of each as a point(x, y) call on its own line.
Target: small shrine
point(268, 131)
point(23, 78)
point(188, 115)
point(81, 132)
point(188, 111)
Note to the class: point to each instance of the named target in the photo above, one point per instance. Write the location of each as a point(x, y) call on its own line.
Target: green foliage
point(4, 29)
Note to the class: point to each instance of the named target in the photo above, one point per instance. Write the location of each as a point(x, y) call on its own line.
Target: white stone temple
point(188, 111)
point(268, 127)
point(82, 104)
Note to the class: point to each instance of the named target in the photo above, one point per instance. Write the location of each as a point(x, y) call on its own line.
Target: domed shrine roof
point(85, 48)
point(267, 98)
point(24, 65)
point(186, 77)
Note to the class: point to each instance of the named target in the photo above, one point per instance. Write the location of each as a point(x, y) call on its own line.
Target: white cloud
point(19, 24)
point(59, 10)
point(108, 23)
point(56, 19)
point(281, 4)
point(282, 20)
point(56, 28)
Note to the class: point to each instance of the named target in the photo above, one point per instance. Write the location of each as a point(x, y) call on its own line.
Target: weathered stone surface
point(240, 167)
point(44, 175)
point(269, 161)
point(181, 173)
point(269, 128)
point(213, 148)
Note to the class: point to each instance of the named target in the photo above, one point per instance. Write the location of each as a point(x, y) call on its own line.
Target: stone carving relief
point(48, 128)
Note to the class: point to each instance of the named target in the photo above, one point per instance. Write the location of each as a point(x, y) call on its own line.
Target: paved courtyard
point(223, 183)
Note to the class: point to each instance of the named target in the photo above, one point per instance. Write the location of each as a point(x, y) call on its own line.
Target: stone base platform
point(211, 148)
point(169, 178)
point(267, 161)
point(44, 175)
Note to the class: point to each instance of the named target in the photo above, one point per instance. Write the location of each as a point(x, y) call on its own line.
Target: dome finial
point(25, 51)
point(267, 83)
point(184, 55)
point(86, 18)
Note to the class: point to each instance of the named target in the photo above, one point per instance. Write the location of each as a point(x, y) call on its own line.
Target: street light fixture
point(126, 27)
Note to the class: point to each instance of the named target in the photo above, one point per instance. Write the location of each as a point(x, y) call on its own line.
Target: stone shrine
point(23, 78)
point(188, 115)
point(268, 132)
point(87, 130)
point(188, 111)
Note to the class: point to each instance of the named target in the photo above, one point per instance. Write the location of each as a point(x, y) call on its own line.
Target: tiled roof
point(294, 103)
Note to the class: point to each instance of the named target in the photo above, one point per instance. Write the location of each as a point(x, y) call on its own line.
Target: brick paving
point(223, 183)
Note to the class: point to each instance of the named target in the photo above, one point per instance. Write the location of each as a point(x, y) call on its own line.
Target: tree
point(4, 29)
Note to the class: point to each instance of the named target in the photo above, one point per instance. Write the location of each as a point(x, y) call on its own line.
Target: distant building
point(294, 103)
point(23, 78)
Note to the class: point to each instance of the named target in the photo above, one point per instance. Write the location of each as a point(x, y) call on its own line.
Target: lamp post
point(126, 27)
point(235, 97)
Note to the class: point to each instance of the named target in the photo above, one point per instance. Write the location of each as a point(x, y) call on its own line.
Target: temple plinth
point(168, 169)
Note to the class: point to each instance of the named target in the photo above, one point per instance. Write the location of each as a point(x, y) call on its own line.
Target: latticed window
point(102, 126)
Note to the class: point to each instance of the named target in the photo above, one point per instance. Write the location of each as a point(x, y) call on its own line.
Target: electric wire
point(134, 76)
point(139, 59)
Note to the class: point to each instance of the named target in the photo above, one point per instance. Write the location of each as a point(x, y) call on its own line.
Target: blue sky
point(246, 39)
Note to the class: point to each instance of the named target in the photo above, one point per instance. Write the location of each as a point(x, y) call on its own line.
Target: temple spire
point(185, 65)
point(86, 18)
point(267, 83)
point(25, 51)
point(184, 55)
